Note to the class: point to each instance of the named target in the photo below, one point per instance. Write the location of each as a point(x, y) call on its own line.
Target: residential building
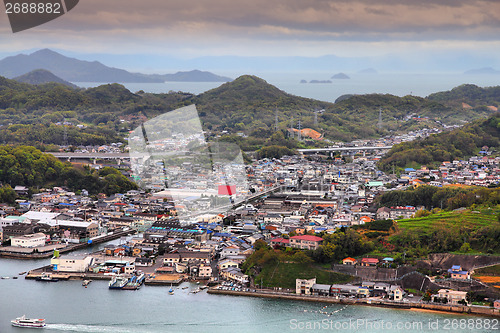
point(303, 286)
point(453, 296)
point(306, 242)
point(349, 261)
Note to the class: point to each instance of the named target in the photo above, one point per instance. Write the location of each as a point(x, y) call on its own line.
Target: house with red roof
point(369, 262)
point(349, 261)
point(306, 242)
point(279, 241)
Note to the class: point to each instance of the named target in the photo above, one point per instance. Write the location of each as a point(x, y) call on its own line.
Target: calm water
point(396, 84)
point(69, 307)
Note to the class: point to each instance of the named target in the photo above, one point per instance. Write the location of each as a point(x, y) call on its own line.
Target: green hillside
point(247, 105)
point(457, 144)
point(463, 231)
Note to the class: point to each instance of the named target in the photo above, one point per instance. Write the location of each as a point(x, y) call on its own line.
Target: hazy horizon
point(388, 35)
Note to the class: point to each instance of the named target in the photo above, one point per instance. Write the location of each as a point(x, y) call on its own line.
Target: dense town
point(290, 201)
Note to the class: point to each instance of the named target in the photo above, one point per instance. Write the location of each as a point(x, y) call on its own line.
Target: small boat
point(26, 322)
point(86, 282)
point(5, 277)
point(14, 277)
point(22, 273)
point(171, 291)
point(185, 287)
point(47, 277)
point(203, 287)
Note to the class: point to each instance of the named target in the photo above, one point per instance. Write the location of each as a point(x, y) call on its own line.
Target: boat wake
point(86, 328)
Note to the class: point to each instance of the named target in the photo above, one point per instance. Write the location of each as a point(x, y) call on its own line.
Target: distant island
point(42, 76)
point(368, 71)
point(303, 81)
point(75, 70)
point(192, 76)
point(340, 76)
point(320, 81)
point(481, 71)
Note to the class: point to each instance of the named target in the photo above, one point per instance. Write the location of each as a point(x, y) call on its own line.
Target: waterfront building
point(453, 297)
point(73, 264)
point(303, 286)
point(31, 240)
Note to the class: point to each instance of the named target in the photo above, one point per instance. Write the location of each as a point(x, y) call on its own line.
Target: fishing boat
point(26, 322)
point(118, 282)
point(86, 282)
point(47, 277)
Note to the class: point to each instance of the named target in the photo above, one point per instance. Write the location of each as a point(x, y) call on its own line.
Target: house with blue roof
point(456, 272)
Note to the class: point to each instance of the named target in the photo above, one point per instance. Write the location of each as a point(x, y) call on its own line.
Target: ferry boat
point(118, 282)
point(135, 282)
point(26, 322)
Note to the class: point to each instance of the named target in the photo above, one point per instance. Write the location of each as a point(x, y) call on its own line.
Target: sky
point(309, 28)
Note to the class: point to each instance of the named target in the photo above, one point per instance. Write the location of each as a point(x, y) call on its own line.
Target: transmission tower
point(299, 127)
point(65, 134)
point(380, 118)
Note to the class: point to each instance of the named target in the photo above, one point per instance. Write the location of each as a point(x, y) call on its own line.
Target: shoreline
point(423, 307)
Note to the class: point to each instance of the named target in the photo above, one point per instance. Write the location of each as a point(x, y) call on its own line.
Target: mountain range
point(75, 70)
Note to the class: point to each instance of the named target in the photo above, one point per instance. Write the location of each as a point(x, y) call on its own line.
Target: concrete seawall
point(395, 305)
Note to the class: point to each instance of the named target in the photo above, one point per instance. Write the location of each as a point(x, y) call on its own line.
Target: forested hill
point(470, 94)
point(246, 105)
point(457, 144)
point(42, 76)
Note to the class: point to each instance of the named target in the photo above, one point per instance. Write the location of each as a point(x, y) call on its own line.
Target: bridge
point(332, 149)
point(90, 156)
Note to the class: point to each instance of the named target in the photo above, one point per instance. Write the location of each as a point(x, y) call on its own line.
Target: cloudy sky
point(267, 28)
